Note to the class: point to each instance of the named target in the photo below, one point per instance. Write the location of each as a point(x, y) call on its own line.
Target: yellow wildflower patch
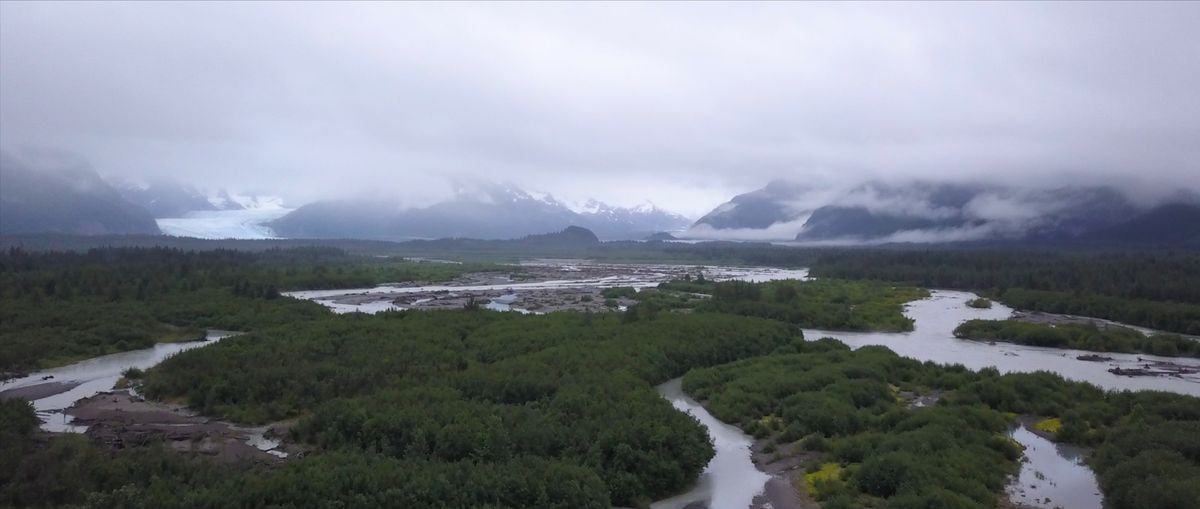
point(829, 472)
point(1049, 425)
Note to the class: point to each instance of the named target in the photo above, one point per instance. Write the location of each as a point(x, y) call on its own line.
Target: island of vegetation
point(980, 303)
point(1079, 336)
point(819, 304)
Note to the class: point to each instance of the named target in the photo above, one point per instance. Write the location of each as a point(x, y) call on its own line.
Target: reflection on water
point(94, 376)
point(933, 340)
point(730, 480)
point(1053, 476)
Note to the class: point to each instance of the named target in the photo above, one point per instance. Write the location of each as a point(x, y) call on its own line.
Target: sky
point(682, 104)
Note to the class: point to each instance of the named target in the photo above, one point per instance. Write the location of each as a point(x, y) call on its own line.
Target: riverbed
point(932, 339)
point(1053, 475)
point(68, 384)
point(539, 286)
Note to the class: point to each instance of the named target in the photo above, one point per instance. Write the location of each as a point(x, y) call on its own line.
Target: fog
point(681, 104)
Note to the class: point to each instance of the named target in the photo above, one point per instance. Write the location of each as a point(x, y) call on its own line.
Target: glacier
point(224, 224)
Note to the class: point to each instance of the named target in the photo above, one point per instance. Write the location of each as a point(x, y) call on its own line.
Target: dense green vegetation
point(505, 251)
point(840, 406)
point(1146, 444)
point(1078, 337)
point(479, 385)
point(70, 471)
point(822, 304)
point(511, 410)
point(1160, 290)
point(58, 307)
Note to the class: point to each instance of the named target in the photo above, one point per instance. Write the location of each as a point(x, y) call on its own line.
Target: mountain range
point(41, 193)
point(877, 212)
point(487, 211)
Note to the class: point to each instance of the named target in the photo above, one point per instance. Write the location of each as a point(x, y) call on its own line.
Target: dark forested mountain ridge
point(1173, 223)
point(756, 209)
point(942, 212)
point(64, 198)
point(571, 235)
point(836, 222)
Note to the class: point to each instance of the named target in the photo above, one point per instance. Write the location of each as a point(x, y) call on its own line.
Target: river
point(1053, 475)
point(730, 479)
point(932, 339)
point(93, 376)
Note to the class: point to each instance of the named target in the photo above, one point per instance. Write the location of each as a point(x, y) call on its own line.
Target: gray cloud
point(683, 104)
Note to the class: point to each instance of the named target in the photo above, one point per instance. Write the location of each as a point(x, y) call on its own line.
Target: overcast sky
point(682, 104)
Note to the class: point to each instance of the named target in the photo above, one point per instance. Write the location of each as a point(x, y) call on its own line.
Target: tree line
point(59, 307)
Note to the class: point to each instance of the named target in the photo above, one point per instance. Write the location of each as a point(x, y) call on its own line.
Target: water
point(256, 437)
point(96, 375)
point(933, 340)
point(1053, 475)
point(730, 479)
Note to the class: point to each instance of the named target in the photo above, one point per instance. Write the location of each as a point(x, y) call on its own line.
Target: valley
point(599, 255)
point(510, 359)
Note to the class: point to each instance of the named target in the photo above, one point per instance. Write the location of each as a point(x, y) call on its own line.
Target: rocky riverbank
point(119, 419)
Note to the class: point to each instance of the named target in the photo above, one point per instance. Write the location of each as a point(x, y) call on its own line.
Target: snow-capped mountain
point(485, 211)
point(224, 200)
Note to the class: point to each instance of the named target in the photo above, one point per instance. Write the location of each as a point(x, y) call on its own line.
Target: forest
point(1156, 289)
point(844, 412)
point(1078, 337)
point(829, 304)
point(415, 395)
point(60, 307)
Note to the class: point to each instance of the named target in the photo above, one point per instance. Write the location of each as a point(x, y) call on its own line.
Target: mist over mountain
point(165, 197)
point(483, 211)
point(930, 212)
point(63, 196)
